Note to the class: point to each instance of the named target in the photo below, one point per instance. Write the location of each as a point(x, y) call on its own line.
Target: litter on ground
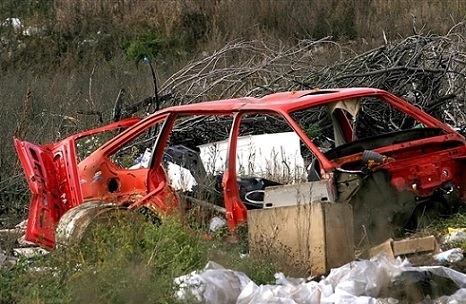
point(377, 280)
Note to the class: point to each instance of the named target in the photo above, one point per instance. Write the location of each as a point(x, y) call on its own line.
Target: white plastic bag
point(213, 285)
point(453, 255)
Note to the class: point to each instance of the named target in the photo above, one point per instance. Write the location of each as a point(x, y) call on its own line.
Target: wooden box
point(304, 239)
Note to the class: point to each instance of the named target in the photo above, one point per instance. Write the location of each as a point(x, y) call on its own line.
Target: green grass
point(124, 261)
point(133, 261)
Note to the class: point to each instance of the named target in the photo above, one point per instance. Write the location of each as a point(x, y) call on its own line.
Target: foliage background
point(72, 56)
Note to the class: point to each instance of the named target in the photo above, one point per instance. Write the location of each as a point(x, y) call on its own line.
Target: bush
point(147, 44)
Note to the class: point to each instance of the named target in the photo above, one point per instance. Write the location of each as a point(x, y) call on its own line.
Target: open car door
point(53, 179)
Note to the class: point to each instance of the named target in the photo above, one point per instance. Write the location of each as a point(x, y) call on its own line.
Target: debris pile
point(378, 280)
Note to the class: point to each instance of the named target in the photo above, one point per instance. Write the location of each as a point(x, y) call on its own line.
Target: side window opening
point(317, 124)
point(372, 120)
point(196, 153)
point(345, 121)
point(88, 144)
point(355, 125)
point(269, 148)
point(194, 160)
point(269, 153)
point(136, 153)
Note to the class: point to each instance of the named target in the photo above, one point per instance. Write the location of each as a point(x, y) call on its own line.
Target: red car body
point(417, 165)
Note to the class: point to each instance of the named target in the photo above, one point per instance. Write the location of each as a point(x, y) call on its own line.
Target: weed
point(123, 260)
point(235, 256)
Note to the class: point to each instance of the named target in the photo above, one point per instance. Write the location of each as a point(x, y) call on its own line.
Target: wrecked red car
point(226, 154)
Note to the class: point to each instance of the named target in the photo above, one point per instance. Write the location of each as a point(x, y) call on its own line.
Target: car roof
point(288, 102)
point(283, 101)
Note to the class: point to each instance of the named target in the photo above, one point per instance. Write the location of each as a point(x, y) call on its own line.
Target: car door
point(47, 203)
point(52, 174)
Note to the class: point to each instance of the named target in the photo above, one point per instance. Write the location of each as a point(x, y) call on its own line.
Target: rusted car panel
point(390, 177)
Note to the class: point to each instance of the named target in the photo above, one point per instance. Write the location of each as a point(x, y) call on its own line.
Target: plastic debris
point(453, 255)
point(216, 223)
point(24, 243)
point(22, 225)
point(30, 252)
point(180, 178)
point(451, 229)
point(378, 280)
point(413, 286)
point(2, 257)
point(455, 235)
point(143, 160)
point(6, 259)
point(15, 23)
point(457, 297)
point(213, 285)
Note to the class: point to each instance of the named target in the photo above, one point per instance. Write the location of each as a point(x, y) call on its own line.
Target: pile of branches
point(427, 70)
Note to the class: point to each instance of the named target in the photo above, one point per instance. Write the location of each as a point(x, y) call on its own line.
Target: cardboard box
point(407, 246)
point(384, 247)
point(305, 239)
point(416, 245)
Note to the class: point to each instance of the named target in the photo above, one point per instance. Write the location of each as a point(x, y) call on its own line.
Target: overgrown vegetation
point(123, 261)
point(70, 58)
point(65, 33)
point(76, 57)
